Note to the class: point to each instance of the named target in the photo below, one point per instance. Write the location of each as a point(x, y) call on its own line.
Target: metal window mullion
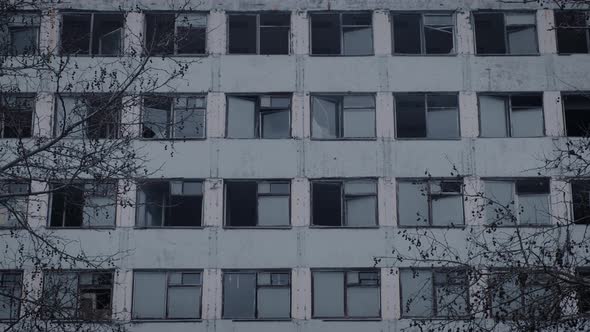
point(422, 35)
point(345, 297)
point(166, 298)
point(257, 33)
point(508, 114)
point(78, 288)
point(429, 195)
point(340, 118)
point(515, 196)
point(426, 114)
point(434, 309)
point(175, 34)
point(91, 33)
point(257, 207)
point(341, 34)
point(343, 216)
point(170, 124)
point(506, 43)
point(256, 293)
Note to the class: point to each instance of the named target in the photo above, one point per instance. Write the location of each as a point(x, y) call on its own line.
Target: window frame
point(18, 288)
point(258, 29)
point(587, 29)
point(25, 197)
point(340, 115)
point(422, 32)
point(508, 111)
point(572, 207)
point(563, 95)
point(84, 98)
point(505, 31)
point(258, 111)
point(91, 34)
point(36, 27)
point(341, 26)
point(176, 14)
point(3, 109)
point(170, 124)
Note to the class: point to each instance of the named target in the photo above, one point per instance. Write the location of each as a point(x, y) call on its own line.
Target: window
point(92, 33)
point(344, 116)
point(573, 31)
point(344, 203)
point(341, 34)
point(16, 115)
point(77, 295)
point(10, 293)
point(257, 294)
point(263, 33)
point(430, 203)
point(505, 33)
point(420, 115)
point(174, 203)
point(441, 292)
point(259, 116)
point(13, 203)
point(581, 201)
point(511, 115)
point(167, 294)
point(522, 202)
point(166, 117)
point(257, 203)
point(577, 114)
point(423, 33)
point(176, 34)
point(19, 33)
point(92, 117)
point(83, 205)
point(346, 294)
point(583, 291)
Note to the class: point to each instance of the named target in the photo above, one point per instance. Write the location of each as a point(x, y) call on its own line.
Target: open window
point(341, 33)
point(343, 116)
point(257, 203)
point(583, 291)
point(573, 31)
point(346, 294)
point(423, 33)
point(433, 116)
point(430, 203)
point(16, 115)
point(523, 202)
point(96, 116)
point(264, 294)
point(173, 294)
point(19, 33)
point(498, 33)
point(344, 203)
point(259, 116)
point(171, 117)
point(13, 203)
point(581, 201)
point(576, 108)
point(10, 294)
point(511, 115)
point(83, 205)
point(259, 33)
point(176, 33)
point(92, 33)
point(173, 203)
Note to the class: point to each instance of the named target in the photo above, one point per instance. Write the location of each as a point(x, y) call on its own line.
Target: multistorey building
point(313, 132)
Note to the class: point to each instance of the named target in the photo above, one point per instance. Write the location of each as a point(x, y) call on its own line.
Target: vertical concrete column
point(384, 115)
point(213, 202)
point(393, 281)
point(127, 204)
point(216, 115)
point(122, 294)
point(49, 32)
point(561, 198)
point(298, 115)
point(131, 117)
point(42, 124)
point(212, 294)
point(546, 31)
point(381, 32)
point(38, 205)
point(305, 115)
point(387, 202)
point(468, 114)
point(389, 294)
point(300, 33)
point(32, 289)
point(473, 204)
point(464, 37)
point(134, 34)
point(553, 113)
point(301, 296)
point(300, 202)
point(217, 32)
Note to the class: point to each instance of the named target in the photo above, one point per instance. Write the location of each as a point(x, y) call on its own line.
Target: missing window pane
point(325, 34)
point(406, 33)
point(274, 40)
point(75, 37)
point(191, 33)
point(242, 34)
point(410, 116)
point(577, 114)
point(572, 31)
point(327, 207)
point(241, 207)
point(489, 33)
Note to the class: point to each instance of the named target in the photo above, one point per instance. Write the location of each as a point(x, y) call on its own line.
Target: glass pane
point(356, 19)
point(241, 117)
point(75, 34)
point(357, 41)
point(23, 40)
point(99, 211)
point(489, 33)
point(274, 303)
point(155, 122)
point(527, 122)
point(440, 20)
point(416, 289)
point(506, 296)
point(520, 18)
point(149, 295)
point(192, 188)
point(499, 202)
point(328, 294)
point(359, 123)
point(438, 40)
point(70, 110)
point(273, 211)
point(239, 295)
point(324, 117)
point(447, 210)
point(363, 301)
point(492, 113)
point(111, 43)
point(412, 204)
point(406, 33)
point(189, 278)
point(275, 19)
point(352, 187)
point(274, 40)
point(242, 34)
point(410, 116)
point(358, 101)
point(361, 211)
point(189, 123)
point(326, 204)
point(275, 124)
point(325, 34)
point(451, 301)
point(522, 40)
point(533, 209)
point(443, 123)
point(184, 302)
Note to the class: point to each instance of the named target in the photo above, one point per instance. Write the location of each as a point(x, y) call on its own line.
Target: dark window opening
point(581, 201)
point(489, 33)
point(505, 33)
point(265, 33)
point(16, 116)
point(434, 116)
point(242, 34)
point(173, 203)
point(176, 34)
point(348, 203)
point(241, 204)
point(94, 117)
point(173, 117)
point(19, 34)
point(577, 115)
point(257, 204)
point(259, 116)
point(93, 33)
point(83, 205)
point(341, 34)
point(423, 33)
point(103, 119)
point(343, 116)
point(573, 31)
point(327, 200)
point(511, 115)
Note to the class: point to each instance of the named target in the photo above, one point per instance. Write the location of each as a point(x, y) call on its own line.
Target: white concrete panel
point(553, 113)
point(216, 32)
point(42, 119)
point(257, 73)
point(546, 31)
point(159, 248)
point(423, 74)
point(173, 159)
point(468, 114)
point(300, 202)
point(341, 159)
point(419, 158)
point(508, 73)
point(381, 32)
point(256, 248)
point(343, 247)
point(385, 117)
point(299, 32)
point(571, 72)
point(341, 74)
point(257, 158)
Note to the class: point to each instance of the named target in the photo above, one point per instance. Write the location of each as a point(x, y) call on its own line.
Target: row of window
point(266, 294)
point(332, 33)
point(334, 203)
point(333, 116)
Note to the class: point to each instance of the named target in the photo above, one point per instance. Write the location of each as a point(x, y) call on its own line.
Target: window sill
point(341, 55)
point(485, 137)
point(431, 226)
point(508, 54)
point(105, 228)
point(577, 53)
point(343, 227)
point(447, 55)
point(254, 320)
point(168, 227)
point(172, 139)
point(520, 226)
point(200, 55)
point(370, 139)
point(427, 139)
point(258, 138)
point(258, 227)
point(238, 54)
point(188, 320)
point(91, 56)
point(374, 319)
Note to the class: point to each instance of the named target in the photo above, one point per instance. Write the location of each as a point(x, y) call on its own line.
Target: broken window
point(346, 294)
point(423, 33)
point(77, 295)
point(16, 115)
point(176, 34)
point(434, 116)
point(341, 34)
point(344, 203)
point(93, 116)
point(10, 293)
point(263, 33)
point(505, 33)
point(89, 204)
point(13, 203)
point(259, 116)
point(167, 294)
point(573, 31)
point(92, 33)
point(581, 201)
point(19, 33)
point(173, 117)
point(343, 116)
point(430, 203)
point(517, 115)
point(517, 202)
point(441, 293)
point(577, 114)
point(257, 294)
point(173, 203)
point(257, 203)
